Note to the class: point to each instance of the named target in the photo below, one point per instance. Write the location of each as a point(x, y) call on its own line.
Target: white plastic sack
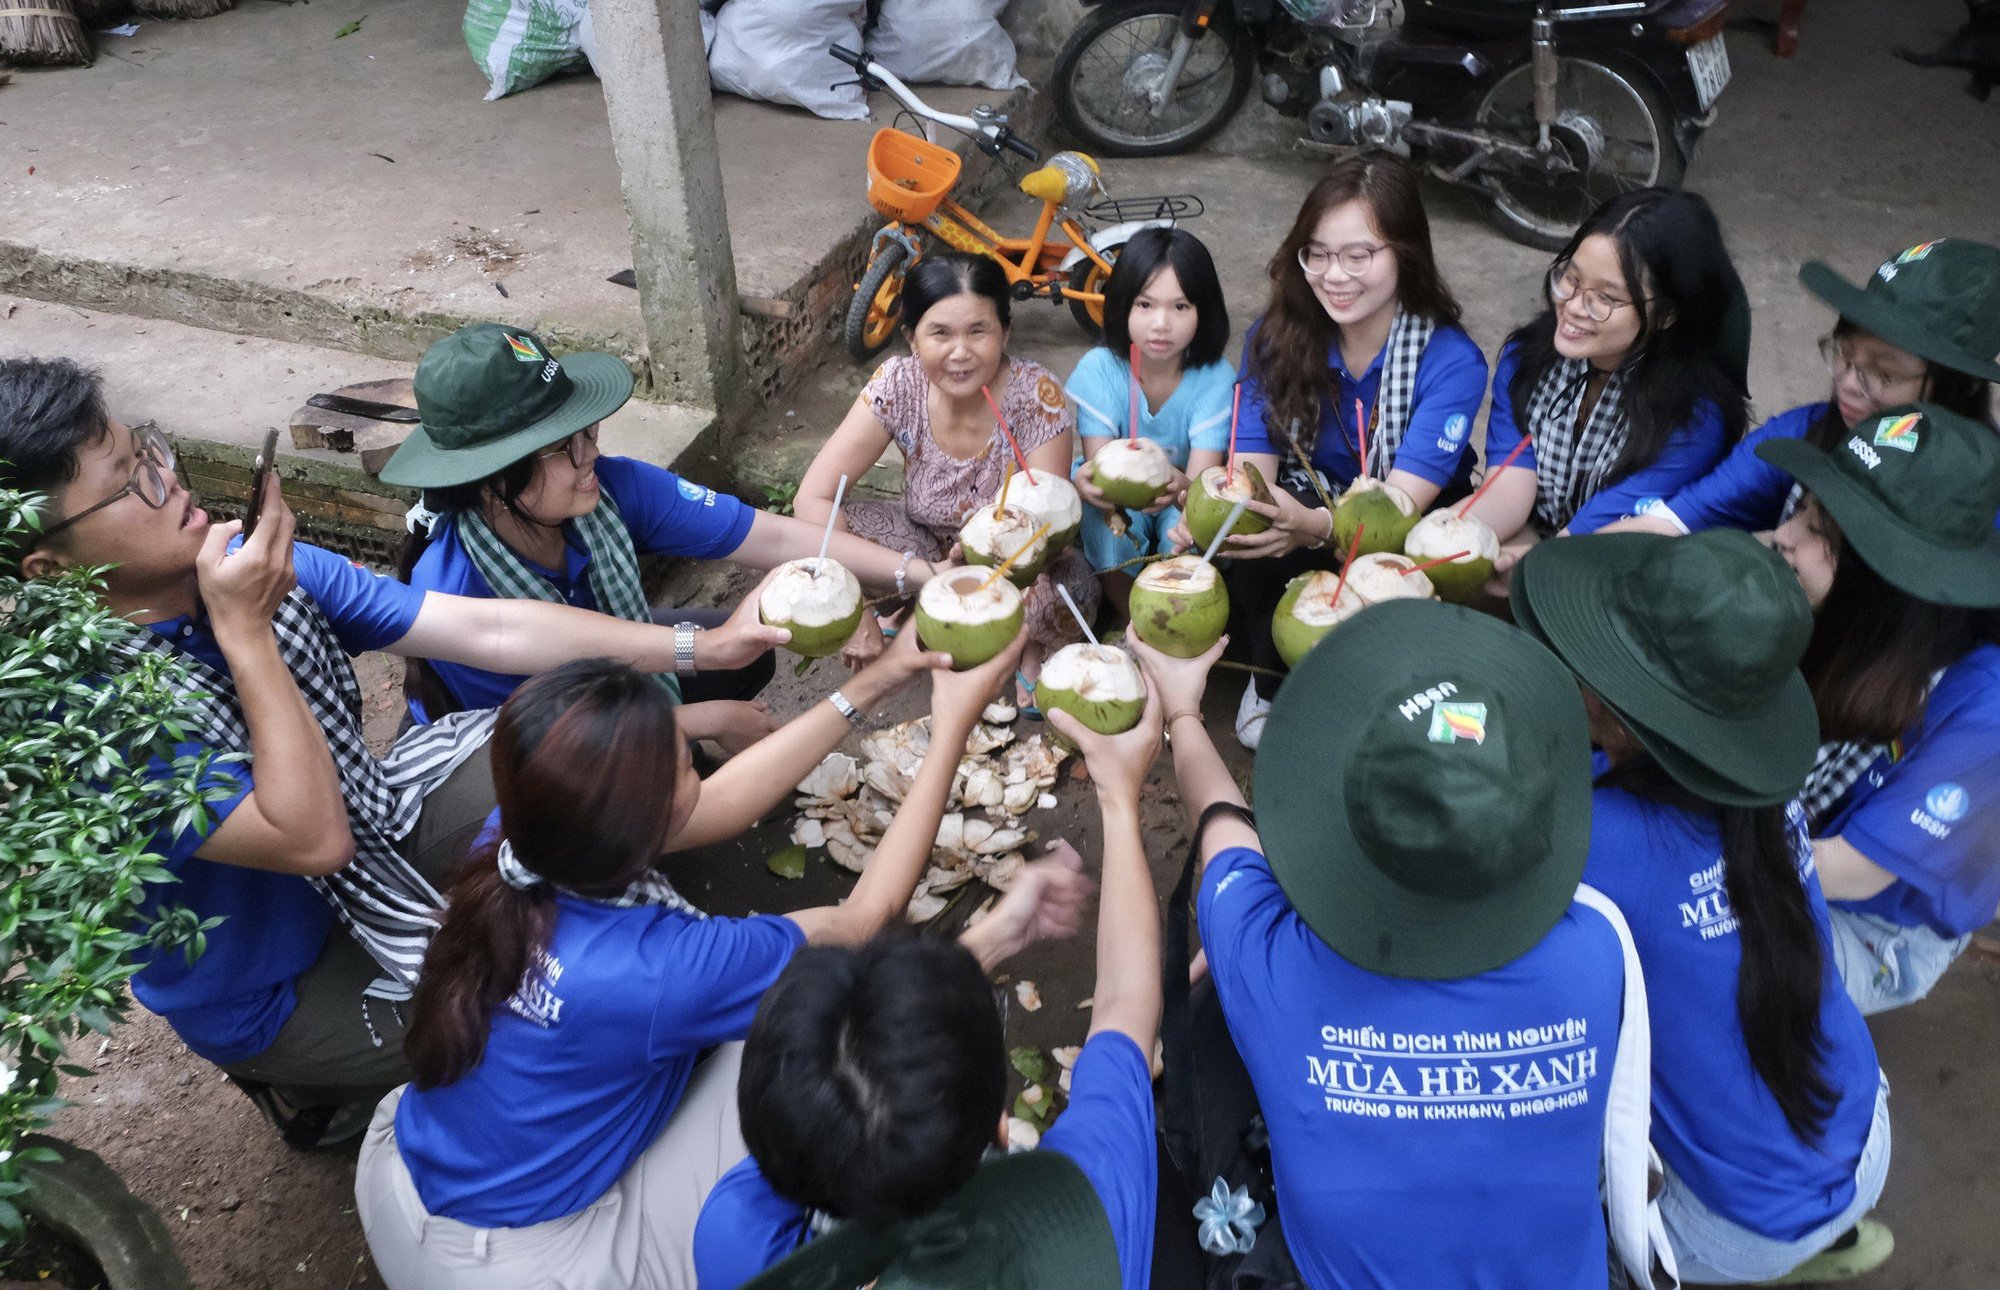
point(775, 50)
point(519, 43)
point(945, 42)
point(586, 35)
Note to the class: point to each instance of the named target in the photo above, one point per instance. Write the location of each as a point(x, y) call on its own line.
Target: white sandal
point(1250, 714)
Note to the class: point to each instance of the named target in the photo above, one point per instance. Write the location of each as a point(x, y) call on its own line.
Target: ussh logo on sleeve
point(1944, 806)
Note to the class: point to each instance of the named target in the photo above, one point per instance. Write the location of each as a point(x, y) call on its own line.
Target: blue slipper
point(1028, 709)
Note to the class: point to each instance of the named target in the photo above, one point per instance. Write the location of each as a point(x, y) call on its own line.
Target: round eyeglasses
point(1353, 259)
point(580, 448)
point(1564, 286)
point(152, 476)
point(1875, 385)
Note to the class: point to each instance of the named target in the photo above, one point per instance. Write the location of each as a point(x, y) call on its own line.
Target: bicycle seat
point(1069, 179)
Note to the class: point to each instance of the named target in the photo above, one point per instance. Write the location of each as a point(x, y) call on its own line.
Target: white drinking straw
point(1089, 635)
point(1235, 514)
point(826, 539)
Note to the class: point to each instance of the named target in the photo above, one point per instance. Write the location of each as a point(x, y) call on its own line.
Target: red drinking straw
point(1432, 564)
point(1135, 389)
point(1002, 423)
point(1361, 431)
point(1493, 475)
point(1348, 563)
point(1235, 411)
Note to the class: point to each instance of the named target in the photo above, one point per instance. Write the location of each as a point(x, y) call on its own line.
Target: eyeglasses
point(581, 448)
point(1564, 286)
point(1874, 384)
point(152, 476)
point(1353, 259)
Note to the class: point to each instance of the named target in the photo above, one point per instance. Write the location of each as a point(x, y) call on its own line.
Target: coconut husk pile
point(43, 32)
point(846, 804)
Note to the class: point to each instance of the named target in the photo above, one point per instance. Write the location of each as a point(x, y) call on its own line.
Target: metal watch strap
point(684, 648)
point(855, 717)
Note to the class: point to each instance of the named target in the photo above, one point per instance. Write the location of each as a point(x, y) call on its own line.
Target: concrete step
point(215, 394)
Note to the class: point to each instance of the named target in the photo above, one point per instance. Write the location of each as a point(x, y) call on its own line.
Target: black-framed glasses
point(152, 476)
point(580, 448)
point(1353, 258)
point(1874, 384)
point(1564, 286)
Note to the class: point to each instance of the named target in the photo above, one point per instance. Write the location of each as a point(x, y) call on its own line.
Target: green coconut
point(1213, 493)
point(817, 601)
point(1308, 611)
point(1443, 533)
point(1099, 685)
point(1387, 510)
point(992, 533)
point(971, 623)
point(1132, 473)
point(1051, 498)
point(1179, 606)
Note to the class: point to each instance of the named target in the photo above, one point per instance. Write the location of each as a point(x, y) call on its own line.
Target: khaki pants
point(638, 1234)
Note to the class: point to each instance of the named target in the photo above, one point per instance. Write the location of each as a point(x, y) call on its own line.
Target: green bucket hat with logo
point(489, 395)
point(1694, 642)
point(1423, 790)
point(1914, 491)
point(1940, 300)
point(1025, 1222)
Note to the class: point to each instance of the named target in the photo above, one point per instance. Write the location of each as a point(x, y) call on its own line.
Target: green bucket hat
point(1025, 1222)
point(489, 395)
point(1423, 790)
point(1939, 300)
point(1914, 491)
point(1694, 642)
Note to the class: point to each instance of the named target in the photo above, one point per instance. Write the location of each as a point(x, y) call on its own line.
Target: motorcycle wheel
point(1612, 124)
point(871, 315)
point(1112, 60)
point(1089, 316)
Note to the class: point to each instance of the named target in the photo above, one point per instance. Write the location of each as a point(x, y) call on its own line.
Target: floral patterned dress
point(940, 490)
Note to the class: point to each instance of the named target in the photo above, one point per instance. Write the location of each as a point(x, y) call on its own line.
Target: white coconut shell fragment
point(1028, 996)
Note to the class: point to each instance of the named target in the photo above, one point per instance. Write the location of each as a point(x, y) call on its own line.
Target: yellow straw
point(1000, 570)
point(1000, 507)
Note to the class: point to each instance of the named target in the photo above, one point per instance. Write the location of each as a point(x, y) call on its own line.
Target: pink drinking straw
point(1135, 389)
point(1235, 411)
point(1348, 563)
point(1492, 475)
point(1002, 423)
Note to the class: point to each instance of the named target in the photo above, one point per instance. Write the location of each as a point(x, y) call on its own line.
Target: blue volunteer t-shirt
point(1929, 811)
point(1107, 1130)
point(1450, 386)
point(586, 1062)
point(1691, 451)
point(1423, 1133)
point(1744, 491)
point(230, 1004)
point(1195, 415)
point(1715, 1121)
point(665, 514)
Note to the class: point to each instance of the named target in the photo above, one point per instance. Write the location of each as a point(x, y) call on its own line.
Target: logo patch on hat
point(1451, 722)
point(524, 349)
point(1900, 434)
point(1919, 251)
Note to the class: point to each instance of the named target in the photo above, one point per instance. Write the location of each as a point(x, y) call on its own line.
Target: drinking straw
point(1002, 423)
point(1135, 389)
point(1088, 634)
point(826, 538)
point(1006, 478)
point(1008, 563)
point(1235, 411)
point(1492, 475)
point(1432, 564)
point(1235, 514)
point(1348, 563)
point(1361, 432)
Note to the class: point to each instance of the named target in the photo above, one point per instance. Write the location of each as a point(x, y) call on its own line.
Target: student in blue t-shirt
point(1769, 1108)
point(1360, 344)
point(1924, 326)
point(572, 1042)
point(1445, 1031)
point(874, 1079)
point(514, 491)
point(265, 627)
point(1630, 384)
point(1896, 549)
point(1164, 303)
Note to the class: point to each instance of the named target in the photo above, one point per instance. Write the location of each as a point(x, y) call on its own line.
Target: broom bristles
point(43, 31)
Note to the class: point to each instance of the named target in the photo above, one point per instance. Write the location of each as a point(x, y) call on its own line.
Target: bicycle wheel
point(1090, 315)
point(1114, 59)
point(871, 315)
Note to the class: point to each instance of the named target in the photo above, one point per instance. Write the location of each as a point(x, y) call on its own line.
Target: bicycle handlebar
point(1008, 139)
point(992, 132)
point(848, 56)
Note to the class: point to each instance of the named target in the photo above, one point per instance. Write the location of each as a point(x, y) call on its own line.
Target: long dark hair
point(1693, 321)
point(1947, 387)
point(1875, 647)
point(946, 274)
point(1781, 974)
point(1288, 353)
point(586, 760)
point(1149, 251)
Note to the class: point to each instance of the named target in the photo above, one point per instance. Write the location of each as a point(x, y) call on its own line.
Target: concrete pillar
point(655, 74)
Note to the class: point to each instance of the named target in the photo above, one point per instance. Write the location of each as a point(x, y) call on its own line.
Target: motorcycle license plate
point(1708, 63)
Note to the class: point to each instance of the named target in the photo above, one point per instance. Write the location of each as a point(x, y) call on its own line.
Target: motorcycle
point(1544, 107)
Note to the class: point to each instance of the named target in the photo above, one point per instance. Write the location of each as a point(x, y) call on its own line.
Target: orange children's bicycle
point(910, 181)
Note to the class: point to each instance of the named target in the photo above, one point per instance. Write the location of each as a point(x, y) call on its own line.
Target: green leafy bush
point(76, 823)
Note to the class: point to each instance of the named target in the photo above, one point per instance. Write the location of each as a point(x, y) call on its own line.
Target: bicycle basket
point(908, 176)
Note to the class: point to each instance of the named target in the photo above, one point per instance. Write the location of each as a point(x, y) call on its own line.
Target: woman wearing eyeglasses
point(1360, 344)
point(1925, 326)
point(1631, 382)
point(517, 503)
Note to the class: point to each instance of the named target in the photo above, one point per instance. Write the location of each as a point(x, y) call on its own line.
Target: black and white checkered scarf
point(389, 907)
point(1838, 768)
point(1402, 354)
point(1572, 462)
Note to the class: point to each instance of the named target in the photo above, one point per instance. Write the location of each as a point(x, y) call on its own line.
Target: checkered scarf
point(613, 569)
point(1572, 462)
point(1837, 769)
point(1402, 354)
point(651, 888)
point(389, 907)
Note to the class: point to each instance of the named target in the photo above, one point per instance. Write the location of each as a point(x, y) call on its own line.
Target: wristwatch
point(684, 648)
point(855, 717)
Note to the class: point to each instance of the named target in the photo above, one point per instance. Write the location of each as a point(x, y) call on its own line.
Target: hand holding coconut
point(1178, 683)
point(1291, 526)
point(959, 693)
point(1118, 762)
point(743, 638)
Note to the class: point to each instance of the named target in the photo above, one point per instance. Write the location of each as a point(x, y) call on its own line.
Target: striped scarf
point(613, 568)
point(1402, 354)
point(390, 908)
point(1573, 462)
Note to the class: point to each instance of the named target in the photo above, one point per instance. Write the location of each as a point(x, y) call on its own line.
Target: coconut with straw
point(1180, 606)
point(817, 600)
point(1100, 685)
point(970, 614)
point(44, 33)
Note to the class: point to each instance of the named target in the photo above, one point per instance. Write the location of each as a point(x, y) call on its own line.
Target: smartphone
point(266, 461)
